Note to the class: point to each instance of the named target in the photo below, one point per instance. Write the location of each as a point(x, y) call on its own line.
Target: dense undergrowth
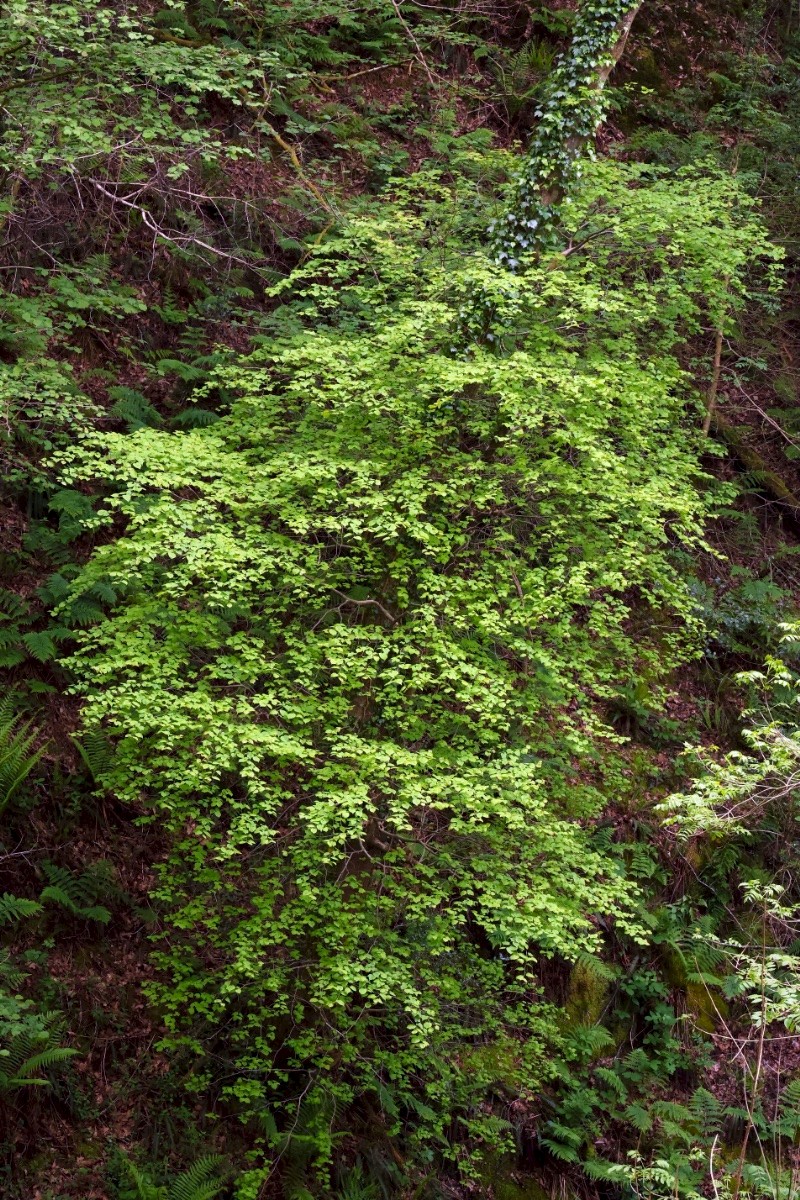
point(399, 742)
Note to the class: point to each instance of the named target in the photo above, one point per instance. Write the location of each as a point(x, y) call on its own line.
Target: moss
point(588, 994)
point(707, 1006)
point(506, 1183)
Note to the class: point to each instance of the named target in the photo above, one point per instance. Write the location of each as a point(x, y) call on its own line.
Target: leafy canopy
point(365, 621)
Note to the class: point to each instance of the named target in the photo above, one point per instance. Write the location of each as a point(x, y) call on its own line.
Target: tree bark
point(568, 121)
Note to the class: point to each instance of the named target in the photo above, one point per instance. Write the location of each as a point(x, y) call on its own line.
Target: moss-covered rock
point(508, 1183)
point(588, 992)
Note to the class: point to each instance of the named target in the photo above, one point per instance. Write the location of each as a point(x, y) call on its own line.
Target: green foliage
point(746, 617)
point(41, 408)
point(519, 75)
point(730, 798)
point(373, 607)
point(362, 621)
point(18, 758)
point(28, 1052)
point(201, 1181)
point(77, 894)
point(14, 908)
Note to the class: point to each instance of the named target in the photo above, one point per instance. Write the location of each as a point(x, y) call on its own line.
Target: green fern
point(195, 418)
point(40, 645)
point(83, 611)
point(600, 1168)
point(201, 1181)
point(601, 971)
point(76, 893)
point(707, 1112)
point(17, 755)
point(307, 1138)
point(560, 1150)
point(762, 1180)
point(24, 1055)
point(590, 1040)
point(612, 1079)
point(790, 1098)
point(519, 74)
point(55, 588)
point(12, 606)
point(638, 1116)
point(96, 752)
point(13, 909)
point(564, 1143)
point(142, 1188)
point(354, 1185)
point(134, 409)
point(10, 654)
point(671, 1110)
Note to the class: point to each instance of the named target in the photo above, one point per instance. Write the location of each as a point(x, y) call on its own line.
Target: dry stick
point(770, 420)
point(365, 603)
point(356, 74)
point(175, 239)
point(713, 391)
point(751, 1099)
point(420, 56)
point(298, 166)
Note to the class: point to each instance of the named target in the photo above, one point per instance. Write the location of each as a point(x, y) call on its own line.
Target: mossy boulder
point(507, 1182)
point(588, 993)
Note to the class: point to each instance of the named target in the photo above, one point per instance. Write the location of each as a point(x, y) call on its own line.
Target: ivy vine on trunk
point(568, 119)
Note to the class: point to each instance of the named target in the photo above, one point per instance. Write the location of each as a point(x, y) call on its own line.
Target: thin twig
point(176, 239)
point(360, 603)
point(419, 55)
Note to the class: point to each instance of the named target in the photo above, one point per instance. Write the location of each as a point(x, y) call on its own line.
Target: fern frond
point(639, 1118)
point(96, 751)
point(75, 893)
point(560, 1150)
point(600, 1168)
point(134, 409)
point(83, 611)
point(56, 588)
point(671, 1110)
point(198, 1182)
point(613, 1080)
point(40, 646)
point(43, 1060)
point(707, 1111)
point(17, 755)
point(145, 1188)
point(591, 1039)
point(27, 1053)
point(14, 908)
point(195, 418)
point(10, 656)
point(790, 1097)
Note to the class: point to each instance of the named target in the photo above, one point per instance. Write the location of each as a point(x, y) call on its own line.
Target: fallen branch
point(179, 240)
point(298, 166)
point(771, 483)
point(713, 391)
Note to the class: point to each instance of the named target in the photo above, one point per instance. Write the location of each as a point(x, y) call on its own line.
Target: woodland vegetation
point(400, 600)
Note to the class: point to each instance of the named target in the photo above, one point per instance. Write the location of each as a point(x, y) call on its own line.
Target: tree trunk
point(568, 121)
